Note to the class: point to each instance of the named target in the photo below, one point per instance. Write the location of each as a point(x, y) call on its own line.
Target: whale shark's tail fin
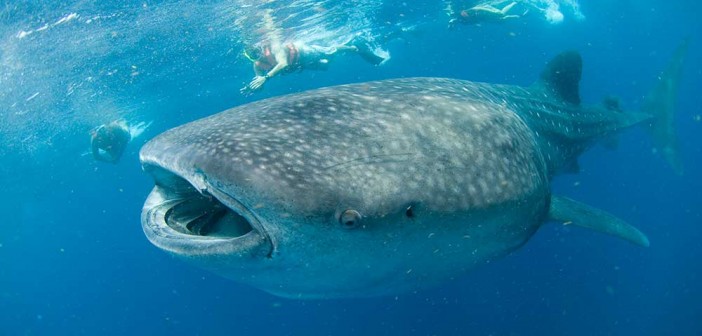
point(660, 104)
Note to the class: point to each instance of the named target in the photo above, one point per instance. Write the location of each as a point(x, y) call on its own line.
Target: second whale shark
point(383, 187)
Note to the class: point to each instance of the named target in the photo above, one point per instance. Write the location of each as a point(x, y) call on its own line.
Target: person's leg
point(346, 48)
point(449, 9)
point(371, 55)
point(367, 49)
point(483, 8)
point(507, 8)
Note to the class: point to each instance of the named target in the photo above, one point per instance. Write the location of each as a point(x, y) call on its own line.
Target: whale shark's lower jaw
point(179, 219)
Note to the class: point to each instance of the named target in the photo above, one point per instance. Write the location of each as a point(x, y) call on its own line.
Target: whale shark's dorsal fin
point(562, 76)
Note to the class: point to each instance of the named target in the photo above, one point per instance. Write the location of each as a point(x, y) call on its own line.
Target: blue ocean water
point(73, 257)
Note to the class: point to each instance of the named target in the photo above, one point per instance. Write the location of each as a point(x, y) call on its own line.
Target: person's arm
point(102, 155)
point(96, 142)
point(274, 34)
point(95, 149)
point(256, 82)
point(257, 70)
point(281, 63)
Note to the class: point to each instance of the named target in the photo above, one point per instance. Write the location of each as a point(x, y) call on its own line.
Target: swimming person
point(270, 60)
point(482, 13)
point(274, 57)
point(109, 141)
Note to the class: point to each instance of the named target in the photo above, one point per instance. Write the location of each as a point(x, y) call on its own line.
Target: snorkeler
point(270, 60)
point(275, 57)
point(482, 13)
point(109, 141)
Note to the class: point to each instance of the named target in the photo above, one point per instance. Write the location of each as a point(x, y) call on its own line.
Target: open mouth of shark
point(205, 216)
point(182, 219)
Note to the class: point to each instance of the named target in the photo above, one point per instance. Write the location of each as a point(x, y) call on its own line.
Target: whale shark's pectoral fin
point(568, 211)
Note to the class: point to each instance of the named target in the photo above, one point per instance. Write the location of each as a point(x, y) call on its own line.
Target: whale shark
point(384, 187)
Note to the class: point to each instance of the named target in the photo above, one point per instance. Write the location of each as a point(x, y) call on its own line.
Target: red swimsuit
point(268, 62)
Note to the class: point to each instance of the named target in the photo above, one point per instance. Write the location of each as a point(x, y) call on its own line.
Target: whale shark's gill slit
point(203, 224)
point(203, 215)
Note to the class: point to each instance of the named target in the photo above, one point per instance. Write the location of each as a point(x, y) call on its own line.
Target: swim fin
point(375, 56)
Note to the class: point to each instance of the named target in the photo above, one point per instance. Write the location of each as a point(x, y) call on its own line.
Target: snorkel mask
point(252, 54)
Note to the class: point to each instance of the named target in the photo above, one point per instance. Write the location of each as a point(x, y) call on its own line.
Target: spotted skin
point(471, 160)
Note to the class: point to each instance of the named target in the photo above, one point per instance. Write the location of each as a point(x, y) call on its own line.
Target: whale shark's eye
point(409, 212)
point(350, 219)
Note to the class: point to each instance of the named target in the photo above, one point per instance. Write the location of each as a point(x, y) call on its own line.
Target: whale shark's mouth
point(205, 216)
point(180, 219)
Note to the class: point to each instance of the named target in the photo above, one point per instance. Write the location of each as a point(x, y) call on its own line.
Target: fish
point(384, 187)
